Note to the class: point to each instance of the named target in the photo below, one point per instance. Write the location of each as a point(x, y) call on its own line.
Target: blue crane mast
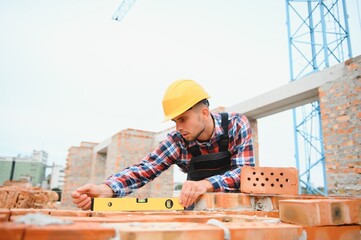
point(318, 37)
point(123, 9)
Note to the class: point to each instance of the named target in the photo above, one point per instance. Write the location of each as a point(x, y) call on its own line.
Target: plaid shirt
point(173, 150)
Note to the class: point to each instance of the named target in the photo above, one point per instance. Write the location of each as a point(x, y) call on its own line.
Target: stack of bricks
point(324, 219)
point(262, 210)
point(31, 197)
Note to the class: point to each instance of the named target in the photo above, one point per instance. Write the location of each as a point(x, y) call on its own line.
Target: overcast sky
point(69, 73)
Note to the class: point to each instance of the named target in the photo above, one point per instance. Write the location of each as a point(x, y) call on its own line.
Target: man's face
point(190, 124)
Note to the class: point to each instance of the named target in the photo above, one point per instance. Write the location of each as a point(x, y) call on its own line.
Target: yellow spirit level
point(135, 204)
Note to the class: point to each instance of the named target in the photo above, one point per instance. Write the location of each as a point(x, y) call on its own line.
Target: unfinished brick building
point(94, 163)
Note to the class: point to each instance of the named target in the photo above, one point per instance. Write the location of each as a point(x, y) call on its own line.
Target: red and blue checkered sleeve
point(136, 176)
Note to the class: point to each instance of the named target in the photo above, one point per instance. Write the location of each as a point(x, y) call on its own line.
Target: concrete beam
point(103, 146)
point(289, 96)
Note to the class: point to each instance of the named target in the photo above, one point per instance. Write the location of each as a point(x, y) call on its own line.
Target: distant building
point(57, 176)
point(31, 168)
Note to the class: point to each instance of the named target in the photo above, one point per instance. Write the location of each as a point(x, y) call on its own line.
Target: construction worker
point(210, 147)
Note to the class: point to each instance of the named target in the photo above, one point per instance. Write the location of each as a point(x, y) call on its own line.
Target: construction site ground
point(224, 216)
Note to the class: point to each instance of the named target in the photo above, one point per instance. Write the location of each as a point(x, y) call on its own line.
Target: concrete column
point(254, 127)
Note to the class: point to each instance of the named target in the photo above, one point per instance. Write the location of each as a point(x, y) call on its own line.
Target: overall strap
point(194, 151)
point(224, 141)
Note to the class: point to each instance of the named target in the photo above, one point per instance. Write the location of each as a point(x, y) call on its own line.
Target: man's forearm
point(105, 191)
point(208, 185)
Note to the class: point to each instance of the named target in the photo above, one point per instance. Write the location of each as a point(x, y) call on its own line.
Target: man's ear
point(205, 112)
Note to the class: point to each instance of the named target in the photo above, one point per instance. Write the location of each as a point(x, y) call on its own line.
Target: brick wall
point(340, 103)
point(77, 171)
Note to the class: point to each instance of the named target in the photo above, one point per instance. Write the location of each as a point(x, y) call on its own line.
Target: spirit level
point(135, 204)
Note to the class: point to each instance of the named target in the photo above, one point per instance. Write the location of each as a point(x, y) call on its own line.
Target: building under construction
point(270, 203)
point(268, 206)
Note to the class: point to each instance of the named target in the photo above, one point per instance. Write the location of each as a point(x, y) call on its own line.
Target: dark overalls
point(204, 166)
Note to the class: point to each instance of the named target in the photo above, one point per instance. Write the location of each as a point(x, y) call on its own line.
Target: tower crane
point(318, 37)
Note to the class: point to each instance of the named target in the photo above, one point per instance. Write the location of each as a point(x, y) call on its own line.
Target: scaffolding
point(318, 37)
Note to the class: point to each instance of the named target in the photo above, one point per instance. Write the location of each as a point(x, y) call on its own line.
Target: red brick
point(262, 231)
point(251, 218)
point(245, 201)
point(269, 180)
point(273, 214)
point(201, 218)
point(15, 212)
point(75, 231)
point(169, 230)
point(206, 201)
point(11, 231)
point(347, 232)
point(233, 201)
point(72, 213)
point(121, 219)
point(320, 212)
point(186, 216)
point(11, 198)
point(4, 214)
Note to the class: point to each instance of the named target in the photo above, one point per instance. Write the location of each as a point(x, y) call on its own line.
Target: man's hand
point(82, 196)
point(191, 190)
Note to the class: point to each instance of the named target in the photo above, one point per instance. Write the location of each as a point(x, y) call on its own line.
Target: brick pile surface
point(246, 215)
point(23, 195)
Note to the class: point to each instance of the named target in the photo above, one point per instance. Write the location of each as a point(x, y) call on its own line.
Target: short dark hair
point(203, 101)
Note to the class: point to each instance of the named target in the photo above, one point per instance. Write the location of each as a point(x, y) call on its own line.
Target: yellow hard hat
point(180, 96)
